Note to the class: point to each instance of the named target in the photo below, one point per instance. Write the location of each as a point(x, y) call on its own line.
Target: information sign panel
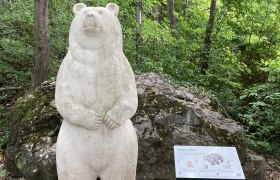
point(207, 162)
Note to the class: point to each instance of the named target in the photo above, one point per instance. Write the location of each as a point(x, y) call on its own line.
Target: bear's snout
point(90, 23)
point(90, 17)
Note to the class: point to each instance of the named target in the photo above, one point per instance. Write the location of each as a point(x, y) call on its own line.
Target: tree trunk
point(138, 34)
point(207, 39)
point(185, 10)
point(172, 18)
point(157, 12)
point(42, 40)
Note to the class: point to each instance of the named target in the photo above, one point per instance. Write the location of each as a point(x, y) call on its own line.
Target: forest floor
point(272, 168)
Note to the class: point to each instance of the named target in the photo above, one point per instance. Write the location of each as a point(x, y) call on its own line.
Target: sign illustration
point(207, 162)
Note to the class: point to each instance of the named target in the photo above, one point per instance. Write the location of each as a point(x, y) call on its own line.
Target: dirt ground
point(272, 168)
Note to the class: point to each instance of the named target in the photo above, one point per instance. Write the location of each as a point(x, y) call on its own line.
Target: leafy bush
point(16, 44)
point(260, 110)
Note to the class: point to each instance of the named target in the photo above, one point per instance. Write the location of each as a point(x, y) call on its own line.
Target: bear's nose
point(90, 17)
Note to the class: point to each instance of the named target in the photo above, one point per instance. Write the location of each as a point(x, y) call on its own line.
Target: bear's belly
point(96, 89)
point(97, 149)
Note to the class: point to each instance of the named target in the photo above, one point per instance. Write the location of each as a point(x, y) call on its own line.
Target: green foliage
point(276, 164)
point(259, 111)
point(16, 50)
point(259, 146)
point(3, 173)
point(3, 140)
point(16, 56)
point(4, 126)
point(156, 51)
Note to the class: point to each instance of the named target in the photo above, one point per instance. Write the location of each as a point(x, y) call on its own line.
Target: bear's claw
point(110, 123)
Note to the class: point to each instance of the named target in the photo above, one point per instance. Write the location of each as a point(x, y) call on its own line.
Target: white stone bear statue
point(96, 95)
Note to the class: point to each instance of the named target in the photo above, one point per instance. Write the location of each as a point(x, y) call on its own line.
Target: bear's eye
point(100, 12)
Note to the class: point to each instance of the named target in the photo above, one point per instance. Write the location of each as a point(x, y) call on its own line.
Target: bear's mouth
point(90, 26)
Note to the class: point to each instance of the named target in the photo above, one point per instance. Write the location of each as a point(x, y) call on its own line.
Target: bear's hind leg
point(122, 163)
point(75, 171)
point(122, 166)
point(116, 174)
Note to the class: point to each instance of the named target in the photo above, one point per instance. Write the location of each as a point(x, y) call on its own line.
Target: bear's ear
point(77, 7)
point(113, 8)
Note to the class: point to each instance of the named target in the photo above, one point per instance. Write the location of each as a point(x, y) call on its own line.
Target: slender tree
point(138, 34)
point(42, 40)
point(157, 12)
point(11, 3)
point(171, 15)
point(207, 39)
point(185, 10)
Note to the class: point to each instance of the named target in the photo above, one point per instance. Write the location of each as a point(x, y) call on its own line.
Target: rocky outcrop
point(166, 116)
point(33, 131)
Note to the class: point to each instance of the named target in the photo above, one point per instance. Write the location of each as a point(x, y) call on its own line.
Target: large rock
point(166, 116)
point(33, 132)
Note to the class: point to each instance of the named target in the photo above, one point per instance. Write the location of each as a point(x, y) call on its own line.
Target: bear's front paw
point(94, 124)
point(94, 120)
point(110, 123)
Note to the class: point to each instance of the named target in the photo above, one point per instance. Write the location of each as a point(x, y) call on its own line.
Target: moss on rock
point(34, 128)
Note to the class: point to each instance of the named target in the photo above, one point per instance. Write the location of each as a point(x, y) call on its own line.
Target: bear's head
point(95, 27)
